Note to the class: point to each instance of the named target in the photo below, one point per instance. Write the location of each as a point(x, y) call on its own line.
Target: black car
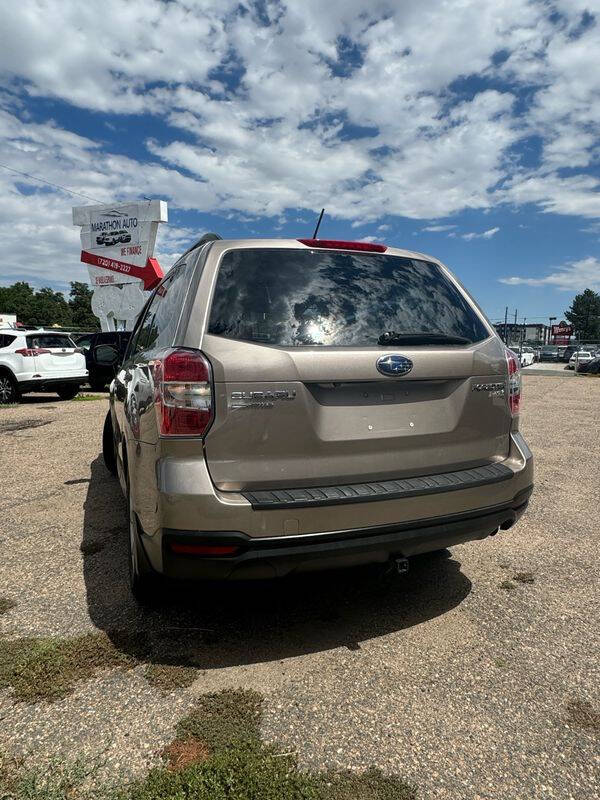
point(549, 352)
point(100, 356)
point(592, 367)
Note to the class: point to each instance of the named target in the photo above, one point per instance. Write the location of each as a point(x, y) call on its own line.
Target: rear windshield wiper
point(418, 337)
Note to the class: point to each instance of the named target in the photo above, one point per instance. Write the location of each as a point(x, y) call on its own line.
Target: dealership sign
point(117, 242)
point(562, 330)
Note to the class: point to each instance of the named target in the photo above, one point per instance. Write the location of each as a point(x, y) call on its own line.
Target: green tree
point(80, 303)
point(584, 314)
point(47, 307)
point(17, 299)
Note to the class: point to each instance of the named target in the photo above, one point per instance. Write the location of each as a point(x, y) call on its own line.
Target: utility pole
point(523, 332)
point(505, 322)
point(551, 320)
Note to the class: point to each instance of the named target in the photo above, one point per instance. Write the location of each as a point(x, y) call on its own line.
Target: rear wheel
point(9, 389)
point(144, 583)
point(68, 391)
point(108, 446)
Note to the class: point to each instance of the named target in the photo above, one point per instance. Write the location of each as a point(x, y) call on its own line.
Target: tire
point(9, 389)
point(144, 583)
point(108, 446)
point(67, 392)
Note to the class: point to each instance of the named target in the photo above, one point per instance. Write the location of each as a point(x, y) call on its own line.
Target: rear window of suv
point(49, 340)
point(291, 298)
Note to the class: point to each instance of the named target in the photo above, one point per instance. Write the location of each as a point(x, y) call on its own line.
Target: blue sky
point(467, 130)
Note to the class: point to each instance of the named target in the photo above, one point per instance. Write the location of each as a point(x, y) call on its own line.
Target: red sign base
point(151, 274)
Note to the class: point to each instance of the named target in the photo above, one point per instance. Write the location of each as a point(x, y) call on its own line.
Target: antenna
point(314, 236)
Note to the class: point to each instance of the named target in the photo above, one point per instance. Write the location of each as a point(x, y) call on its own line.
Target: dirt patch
point(524, 577)
point(22, 425)
point(6, 604)
point(168, 677)
point(582, 714)
point(508, 586)
point(93, 547)
point(183, 753)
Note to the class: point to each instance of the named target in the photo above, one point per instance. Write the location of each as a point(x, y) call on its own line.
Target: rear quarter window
point(291, 298)
point(6, 340)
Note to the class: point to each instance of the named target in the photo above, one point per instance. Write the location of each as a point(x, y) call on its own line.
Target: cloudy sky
point(468, 129)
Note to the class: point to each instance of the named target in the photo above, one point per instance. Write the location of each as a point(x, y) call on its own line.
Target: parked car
point(39, 361)
point(526, 356)
point(592, 367)
point(549, 352)
point(104, 353)
point(579, 357)
point(568, 352)
point(283, 407)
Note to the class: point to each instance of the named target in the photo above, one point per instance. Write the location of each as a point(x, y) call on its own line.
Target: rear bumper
point(43, 384)
point(310, 533)
point(279, 556)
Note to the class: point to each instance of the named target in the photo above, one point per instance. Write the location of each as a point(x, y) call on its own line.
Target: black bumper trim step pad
point(378, 490)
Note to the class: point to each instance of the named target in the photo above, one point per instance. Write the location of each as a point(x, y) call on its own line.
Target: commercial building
point(514, 335)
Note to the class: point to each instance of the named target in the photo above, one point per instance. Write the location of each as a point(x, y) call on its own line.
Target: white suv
point(39, 361)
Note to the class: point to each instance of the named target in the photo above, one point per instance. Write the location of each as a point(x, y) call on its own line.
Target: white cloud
point(280, 136)
point(575, 276)
point(485, 235)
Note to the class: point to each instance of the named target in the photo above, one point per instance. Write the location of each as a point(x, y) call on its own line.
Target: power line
point(49, 183)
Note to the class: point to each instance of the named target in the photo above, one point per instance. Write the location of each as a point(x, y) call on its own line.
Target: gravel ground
point(444, 676)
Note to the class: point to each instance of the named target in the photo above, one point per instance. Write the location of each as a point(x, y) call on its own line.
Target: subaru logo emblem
point(394, 365)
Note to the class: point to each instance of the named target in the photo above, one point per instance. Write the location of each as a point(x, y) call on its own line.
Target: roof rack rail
point(206, 237)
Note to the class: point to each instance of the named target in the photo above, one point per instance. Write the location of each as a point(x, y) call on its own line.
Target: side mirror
point(106, 355)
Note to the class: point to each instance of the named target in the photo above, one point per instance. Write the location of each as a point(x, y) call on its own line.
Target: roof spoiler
point(207, 237)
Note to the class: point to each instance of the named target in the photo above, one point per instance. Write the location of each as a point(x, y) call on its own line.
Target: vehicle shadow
point(40, 399)
point(218, 625)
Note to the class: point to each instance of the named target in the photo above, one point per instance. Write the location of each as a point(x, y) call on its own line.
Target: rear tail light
point(336, 244)
point(514, 382)
point(183, 393)
point(29, 352)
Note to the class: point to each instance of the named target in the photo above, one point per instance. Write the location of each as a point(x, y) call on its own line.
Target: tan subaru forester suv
point(290, 405)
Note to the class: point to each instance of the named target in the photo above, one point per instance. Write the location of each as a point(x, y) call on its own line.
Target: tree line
point(584, 315)
point(46, 307)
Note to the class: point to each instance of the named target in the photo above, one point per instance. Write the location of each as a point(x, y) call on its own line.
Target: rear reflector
point(204, 549)
point(335, 244)
point(183, 393)
point(514, 382)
